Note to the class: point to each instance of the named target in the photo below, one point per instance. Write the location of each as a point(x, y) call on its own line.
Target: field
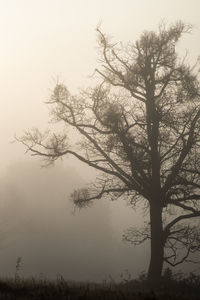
point(170, 288)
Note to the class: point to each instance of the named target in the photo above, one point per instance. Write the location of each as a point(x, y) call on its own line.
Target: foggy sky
point(43, 40)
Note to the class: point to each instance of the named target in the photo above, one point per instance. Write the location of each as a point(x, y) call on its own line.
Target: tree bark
point(157, 243)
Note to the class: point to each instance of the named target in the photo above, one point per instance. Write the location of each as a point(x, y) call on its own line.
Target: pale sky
point(45, 39)
point(42, 40)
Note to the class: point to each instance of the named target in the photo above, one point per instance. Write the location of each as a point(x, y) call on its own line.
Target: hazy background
point(42, 40)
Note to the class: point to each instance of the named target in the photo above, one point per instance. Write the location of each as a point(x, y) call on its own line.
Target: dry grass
point(173, 288)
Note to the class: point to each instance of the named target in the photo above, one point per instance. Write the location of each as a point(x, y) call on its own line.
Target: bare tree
point(140, 129)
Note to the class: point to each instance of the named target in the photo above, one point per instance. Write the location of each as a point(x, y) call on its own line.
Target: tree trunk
point(157, 243)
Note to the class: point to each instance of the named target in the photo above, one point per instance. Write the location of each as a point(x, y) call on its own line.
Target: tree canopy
point(139, 127)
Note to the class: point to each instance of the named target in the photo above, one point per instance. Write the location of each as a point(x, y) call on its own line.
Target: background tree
point(140, 129)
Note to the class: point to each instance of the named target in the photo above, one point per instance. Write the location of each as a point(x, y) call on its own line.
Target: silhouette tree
point(140, 129)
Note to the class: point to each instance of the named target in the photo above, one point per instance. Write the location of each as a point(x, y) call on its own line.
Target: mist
point(43, 41)
point(40, 225)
